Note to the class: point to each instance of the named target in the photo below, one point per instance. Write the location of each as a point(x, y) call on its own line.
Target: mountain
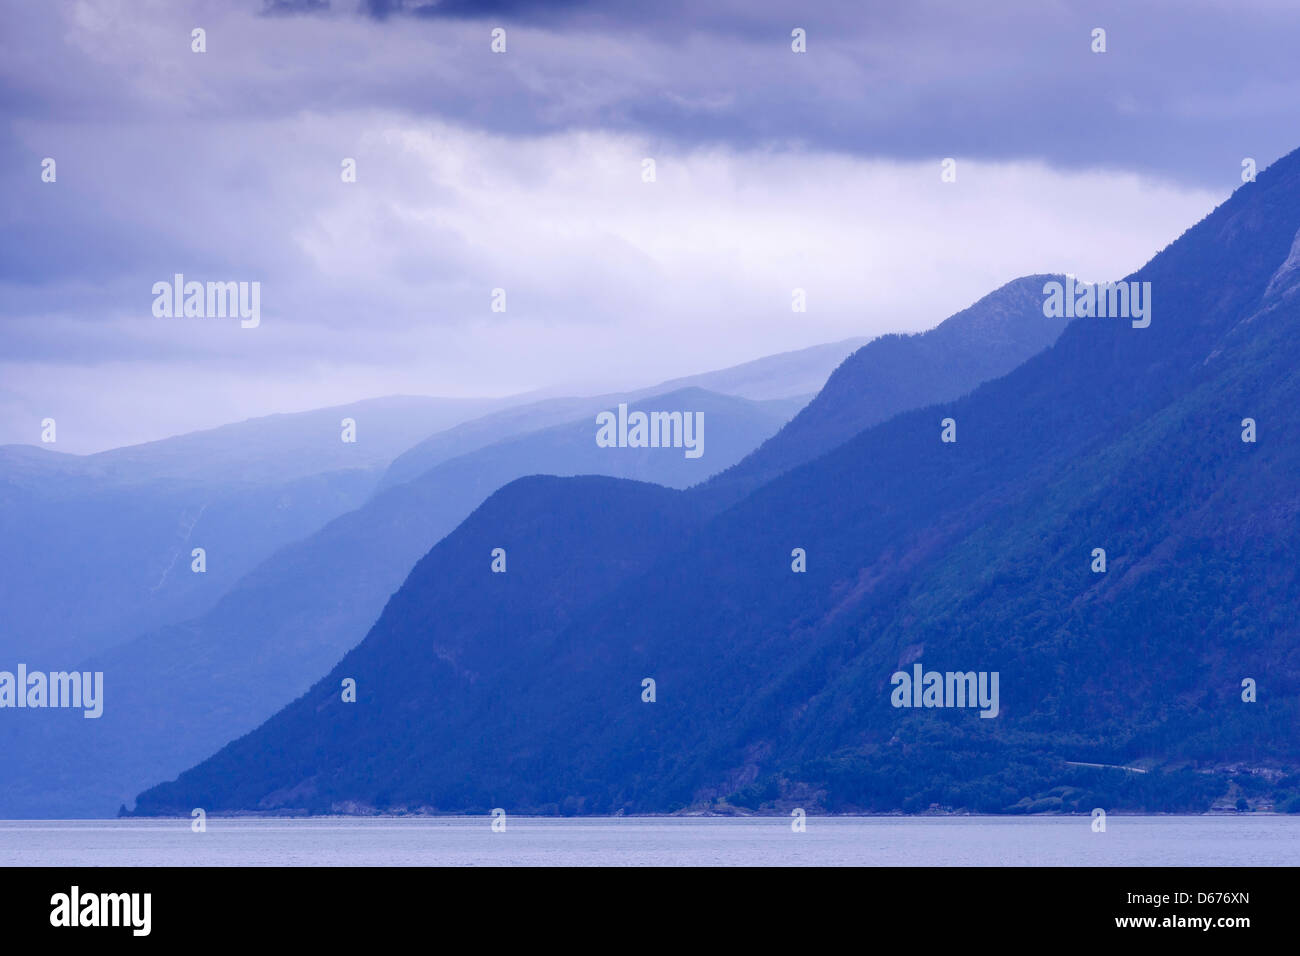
point(895, 373)
point(499, 426)
point(773, 688)
point(98, 547)
point(786, 376)
point(182, 690)
point(222, 671)
point(279, 448)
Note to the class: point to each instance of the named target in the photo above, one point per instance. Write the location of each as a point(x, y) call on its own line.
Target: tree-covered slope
point(773, 687)
point(897, 373)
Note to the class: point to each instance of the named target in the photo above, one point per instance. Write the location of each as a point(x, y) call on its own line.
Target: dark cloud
point(1185, 89)
point(288, 7)
point(519, 10)
point(522, 170)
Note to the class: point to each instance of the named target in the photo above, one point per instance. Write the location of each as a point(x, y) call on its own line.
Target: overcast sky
point(523, 171)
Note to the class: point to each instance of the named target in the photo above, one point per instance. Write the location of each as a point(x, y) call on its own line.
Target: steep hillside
point(181, 691)
point(775, 687)
point(896, 373)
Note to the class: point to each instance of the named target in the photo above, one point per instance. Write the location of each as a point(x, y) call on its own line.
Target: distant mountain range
point(183, 690)
point(786, 375)
point(257, 636)
point(793, 376)
point(101, 544)
point(98, 547)
point(775, 687)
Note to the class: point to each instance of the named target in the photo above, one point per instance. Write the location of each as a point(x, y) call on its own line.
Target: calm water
point(674, 841)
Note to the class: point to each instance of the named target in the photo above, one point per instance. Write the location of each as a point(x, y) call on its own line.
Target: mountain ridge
point(772, 685)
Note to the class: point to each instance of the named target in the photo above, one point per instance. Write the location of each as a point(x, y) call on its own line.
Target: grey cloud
point(475, 173)
point(1185, 89)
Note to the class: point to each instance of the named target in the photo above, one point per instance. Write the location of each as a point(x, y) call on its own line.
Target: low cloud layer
point(523, 171)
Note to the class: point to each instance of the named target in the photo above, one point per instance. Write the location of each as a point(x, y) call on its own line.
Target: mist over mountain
point(99, 546)
point(793, 376)
point(103, 542)
point(524, 689)
point(290, 619)
point(278, 448)
point(181, 690)
point(895, 373)
point(785, 375)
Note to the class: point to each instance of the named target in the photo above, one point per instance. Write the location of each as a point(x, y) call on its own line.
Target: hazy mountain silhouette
point(291, 618)
point(102, 542)
point(98, 546)
point(182, 690)
point(788, 375)
point(784, 375)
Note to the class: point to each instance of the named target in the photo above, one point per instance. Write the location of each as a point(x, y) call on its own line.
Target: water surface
point(1263, 840)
